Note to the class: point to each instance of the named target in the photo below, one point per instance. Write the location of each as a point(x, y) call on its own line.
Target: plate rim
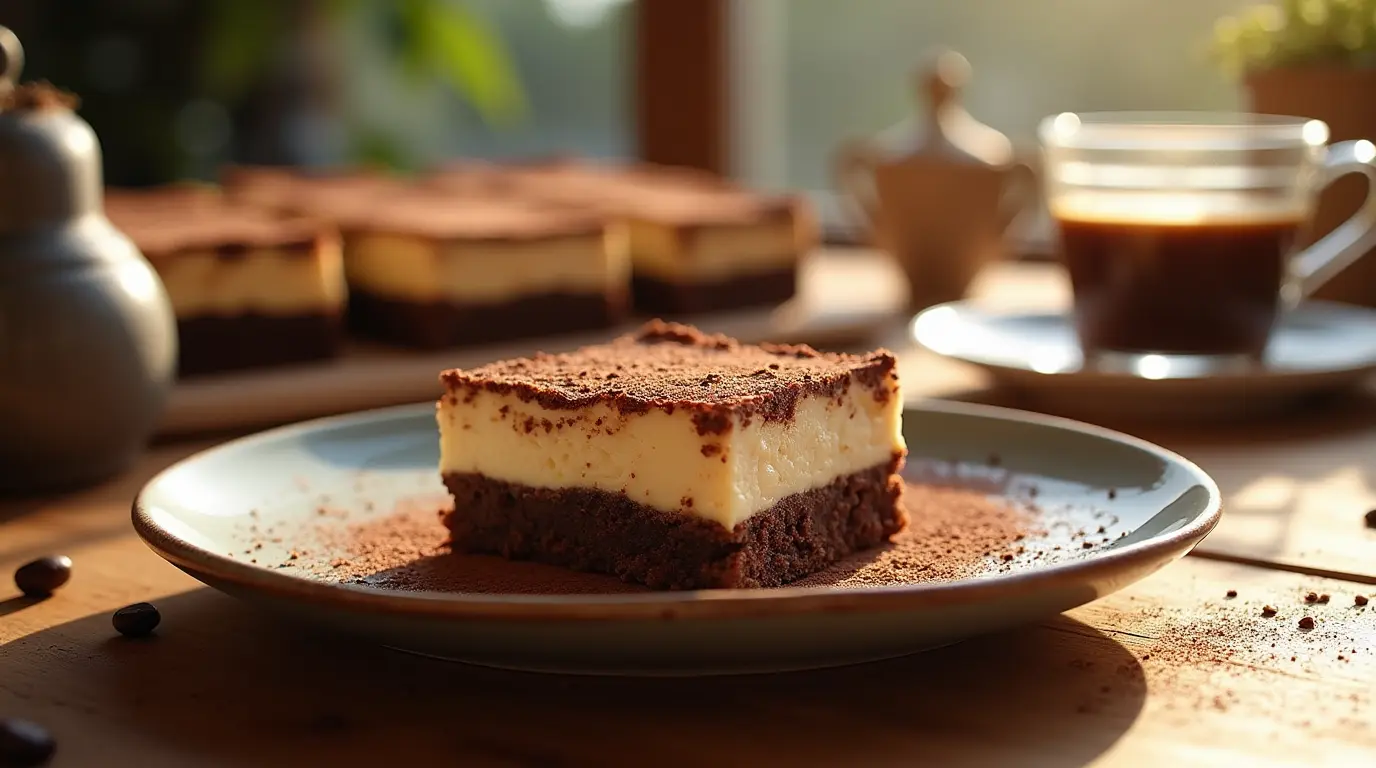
point(1024, 374)
point(1158, 550)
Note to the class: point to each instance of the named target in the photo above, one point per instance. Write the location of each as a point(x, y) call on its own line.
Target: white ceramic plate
point(196, 513)
point(1318, 349)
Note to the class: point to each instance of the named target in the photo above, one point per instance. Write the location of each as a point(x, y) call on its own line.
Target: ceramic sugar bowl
point(88, 340)
point(940, 198)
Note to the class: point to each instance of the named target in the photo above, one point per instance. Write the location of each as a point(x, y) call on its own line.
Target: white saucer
point(1318, 349)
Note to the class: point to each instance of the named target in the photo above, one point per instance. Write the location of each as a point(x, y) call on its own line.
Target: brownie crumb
point(1112, 494)
point(1306, 623)
point(1268, 611)
point(1360, 600)
point(1371, 519)
point(1324, 598)
point(1232, 593)
point(1311, 598)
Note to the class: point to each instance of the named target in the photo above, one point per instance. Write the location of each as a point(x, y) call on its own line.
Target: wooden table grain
point(1170, 671)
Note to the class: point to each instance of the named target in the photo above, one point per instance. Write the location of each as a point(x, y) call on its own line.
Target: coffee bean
point(1371, 519)
point(1232, 593)
point(1306, 623)
point(25, 743)
point(43, 576)
point(137, 620)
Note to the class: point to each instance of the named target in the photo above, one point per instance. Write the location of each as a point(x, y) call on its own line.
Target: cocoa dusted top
point(664, 195)
point(342, 198)
point(450, 215)
point(670, 366)
point(169, 221)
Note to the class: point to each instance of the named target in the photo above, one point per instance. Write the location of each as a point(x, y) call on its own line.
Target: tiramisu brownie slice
point(697, 243)
point(434, 270)
point(249, 288)
point(675, 459)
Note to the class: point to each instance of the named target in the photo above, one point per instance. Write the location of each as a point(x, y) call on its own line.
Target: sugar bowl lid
point(50, 155)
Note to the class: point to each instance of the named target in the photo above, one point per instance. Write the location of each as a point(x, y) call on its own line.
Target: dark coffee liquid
point(1198, 288)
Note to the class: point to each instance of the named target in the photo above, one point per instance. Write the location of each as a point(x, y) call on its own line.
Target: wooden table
point(1167, 672)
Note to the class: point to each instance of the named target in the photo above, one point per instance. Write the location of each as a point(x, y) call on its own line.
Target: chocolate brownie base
point(233, 342)
point(436, 325)
point(591, 530)
point(652, 296)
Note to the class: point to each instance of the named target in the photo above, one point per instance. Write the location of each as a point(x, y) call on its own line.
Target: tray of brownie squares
point(302, 294)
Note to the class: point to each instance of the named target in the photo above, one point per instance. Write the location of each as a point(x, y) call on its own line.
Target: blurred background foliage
point(1298, 33)
point(177, 87)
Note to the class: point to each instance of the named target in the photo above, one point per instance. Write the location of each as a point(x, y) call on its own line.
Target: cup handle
point(853, 176)
point(1020, 193)
point(1321, 261)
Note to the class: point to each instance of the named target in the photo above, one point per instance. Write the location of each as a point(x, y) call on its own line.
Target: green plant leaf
point(240, 35)
point(403, 28)
point(375, 148)
point(1295, 33)
point(469, 56)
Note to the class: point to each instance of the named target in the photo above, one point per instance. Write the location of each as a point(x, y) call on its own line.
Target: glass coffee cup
point(1179, 230)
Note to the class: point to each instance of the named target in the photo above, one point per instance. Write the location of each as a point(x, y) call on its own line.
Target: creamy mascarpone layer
point(660, 460)
point(419, 269)
point(714, 252)
point(265, 281)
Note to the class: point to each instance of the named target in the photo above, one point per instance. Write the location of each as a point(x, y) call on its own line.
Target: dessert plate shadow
point(227, 516)
point(1319, 348)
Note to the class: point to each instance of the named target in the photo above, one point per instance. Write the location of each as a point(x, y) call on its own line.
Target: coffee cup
point(1179, 231)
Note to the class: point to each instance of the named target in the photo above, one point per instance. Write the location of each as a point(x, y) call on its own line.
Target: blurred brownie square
point(697, 243)
point(434, 270)
point(250, 289)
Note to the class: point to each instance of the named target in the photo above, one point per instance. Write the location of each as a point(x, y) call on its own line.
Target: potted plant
point(1313, 58)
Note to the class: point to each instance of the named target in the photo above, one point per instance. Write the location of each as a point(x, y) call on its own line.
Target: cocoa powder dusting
point(954, 533)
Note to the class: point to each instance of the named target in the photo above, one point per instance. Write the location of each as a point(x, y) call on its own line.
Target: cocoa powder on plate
point(954, 533)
